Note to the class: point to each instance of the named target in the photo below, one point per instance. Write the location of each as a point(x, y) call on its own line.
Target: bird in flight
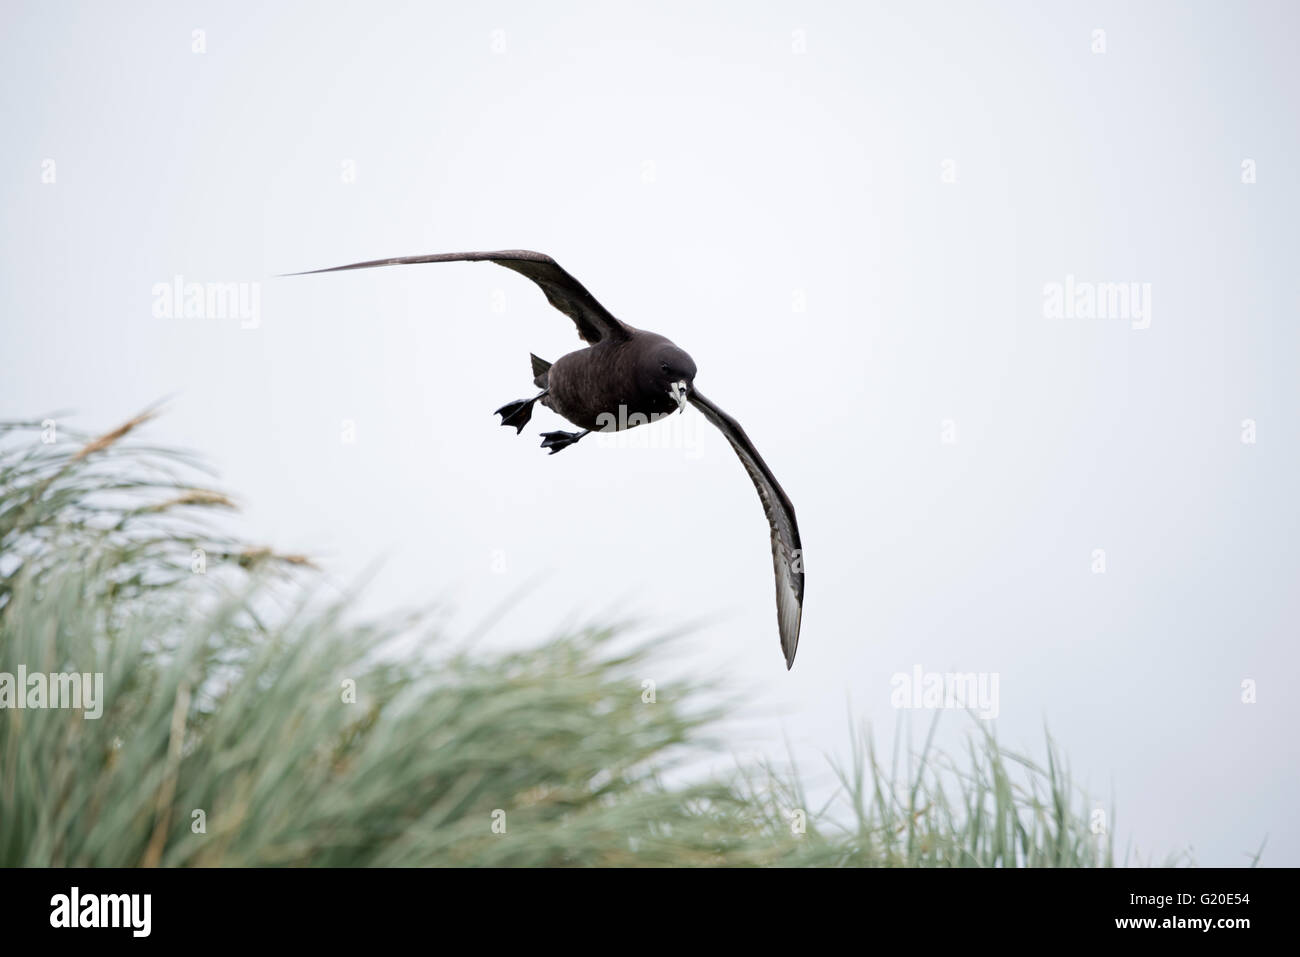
point(626, 377)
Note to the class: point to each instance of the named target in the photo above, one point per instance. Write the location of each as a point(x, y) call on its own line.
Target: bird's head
point(669, 371)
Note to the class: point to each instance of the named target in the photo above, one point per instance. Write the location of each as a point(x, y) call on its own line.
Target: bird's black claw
point(559, 440)
point(516, 413)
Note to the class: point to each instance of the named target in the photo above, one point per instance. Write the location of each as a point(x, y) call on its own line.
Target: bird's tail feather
point(541, 370)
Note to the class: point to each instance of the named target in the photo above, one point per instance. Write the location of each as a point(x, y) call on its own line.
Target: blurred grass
point(225, 694)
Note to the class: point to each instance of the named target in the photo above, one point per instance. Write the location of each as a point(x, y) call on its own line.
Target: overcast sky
point(877, 228)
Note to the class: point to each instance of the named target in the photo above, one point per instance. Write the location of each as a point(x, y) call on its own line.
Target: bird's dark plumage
point(787, 551)
point(562, 291)
point(627, 377)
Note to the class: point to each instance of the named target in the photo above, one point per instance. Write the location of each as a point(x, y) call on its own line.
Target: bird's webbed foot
point(518, 413)
point(561, 440)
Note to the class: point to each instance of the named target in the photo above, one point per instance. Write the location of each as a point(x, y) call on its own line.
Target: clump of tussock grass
point(242, 701)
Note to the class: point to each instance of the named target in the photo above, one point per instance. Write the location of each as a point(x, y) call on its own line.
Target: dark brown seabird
point(624, 378)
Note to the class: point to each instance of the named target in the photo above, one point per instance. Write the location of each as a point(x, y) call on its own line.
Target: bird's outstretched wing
point(565, 293)
point(787, 553)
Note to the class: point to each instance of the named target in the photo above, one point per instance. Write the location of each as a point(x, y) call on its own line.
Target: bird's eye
point(663, 366)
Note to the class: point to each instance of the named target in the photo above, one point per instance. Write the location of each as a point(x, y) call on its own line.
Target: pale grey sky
point(848, 214)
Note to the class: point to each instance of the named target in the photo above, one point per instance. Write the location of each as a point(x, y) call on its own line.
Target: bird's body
point(602, 387)
point(628, 377)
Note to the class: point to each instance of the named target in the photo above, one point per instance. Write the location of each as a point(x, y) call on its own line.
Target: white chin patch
point(678, 391)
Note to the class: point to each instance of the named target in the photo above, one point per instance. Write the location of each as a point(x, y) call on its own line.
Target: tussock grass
point(226, 702)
